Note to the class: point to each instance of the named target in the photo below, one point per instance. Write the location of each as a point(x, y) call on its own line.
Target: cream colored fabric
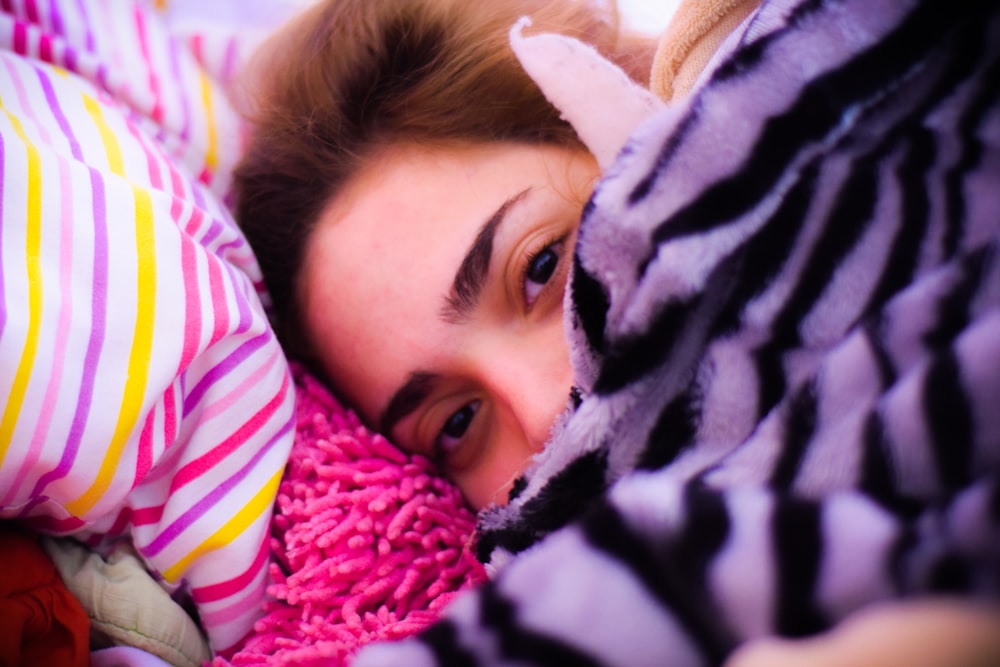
point(689, 42)
point(604, 111)
point(126, 606)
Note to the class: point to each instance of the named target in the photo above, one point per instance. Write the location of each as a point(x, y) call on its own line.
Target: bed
point(808, 378)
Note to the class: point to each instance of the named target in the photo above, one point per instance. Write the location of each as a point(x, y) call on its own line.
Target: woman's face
point(433, 289)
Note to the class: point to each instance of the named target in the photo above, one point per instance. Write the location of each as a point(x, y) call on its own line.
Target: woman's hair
point(349, 77)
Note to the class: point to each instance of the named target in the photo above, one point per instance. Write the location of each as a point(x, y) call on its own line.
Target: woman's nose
point(530, 377)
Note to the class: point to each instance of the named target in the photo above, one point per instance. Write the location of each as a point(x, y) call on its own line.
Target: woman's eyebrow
point(414, 391)
point(471, 275)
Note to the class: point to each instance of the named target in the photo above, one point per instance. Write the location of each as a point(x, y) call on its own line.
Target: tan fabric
point(125, 604)
point(689, 42)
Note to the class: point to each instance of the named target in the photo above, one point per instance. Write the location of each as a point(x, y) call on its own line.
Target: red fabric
point(41, 623)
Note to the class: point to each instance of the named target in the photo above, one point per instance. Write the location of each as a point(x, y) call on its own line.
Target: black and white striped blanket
point(786, 302)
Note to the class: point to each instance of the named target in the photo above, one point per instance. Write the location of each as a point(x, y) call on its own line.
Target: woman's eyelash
point(454, 429)
point(545, 259)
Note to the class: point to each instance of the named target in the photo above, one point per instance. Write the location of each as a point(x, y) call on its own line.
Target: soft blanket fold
point(144, 397)
point(785, 312)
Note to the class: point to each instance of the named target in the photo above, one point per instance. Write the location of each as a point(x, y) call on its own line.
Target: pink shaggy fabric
point(369, 542)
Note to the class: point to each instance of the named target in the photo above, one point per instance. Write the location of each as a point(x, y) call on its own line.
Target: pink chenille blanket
point(368, 542)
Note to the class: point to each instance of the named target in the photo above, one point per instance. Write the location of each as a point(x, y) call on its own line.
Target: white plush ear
point(593, 94)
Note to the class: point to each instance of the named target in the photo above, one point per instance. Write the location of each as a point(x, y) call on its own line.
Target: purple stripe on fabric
point(96, 342)
point(239, 277)
point(33, 502)
point(58, 26)
point(199, 196)
point(3, 303)
point(175, 70)
point(235, 245)
point(69, 60)
point(102, 78)
point(246, 317)
point(89, 37)
point(55, 379)
point(57, 112)
point(214, 230)
point(223, 368)
point(229, 61)
point(196, 511)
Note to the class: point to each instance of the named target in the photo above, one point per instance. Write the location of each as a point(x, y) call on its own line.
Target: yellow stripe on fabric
point(233, 528)
point(114, 152)
point(140, 355)
point(33, 253)
point(211, 150)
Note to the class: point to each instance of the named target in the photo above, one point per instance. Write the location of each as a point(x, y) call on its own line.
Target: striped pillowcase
point(142, 393)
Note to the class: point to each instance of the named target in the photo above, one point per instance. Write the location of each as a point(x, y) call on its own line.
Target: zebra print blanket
point(786, 318)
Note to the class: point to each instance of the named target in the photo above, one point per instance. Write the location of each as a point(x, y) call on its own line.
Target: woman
point(426, 189)
point(428, 198)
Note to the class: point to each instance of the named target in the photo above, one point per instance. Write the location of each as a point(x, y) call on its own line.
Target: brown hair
point(350, 76)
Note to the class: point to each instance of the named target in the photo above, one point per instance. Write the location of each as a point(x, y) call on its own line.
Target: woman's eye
point(540, 269)
point(454, 429)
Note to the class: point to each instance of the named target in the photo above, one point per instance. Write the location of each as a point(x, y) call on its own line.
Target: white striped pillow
point(143, 393)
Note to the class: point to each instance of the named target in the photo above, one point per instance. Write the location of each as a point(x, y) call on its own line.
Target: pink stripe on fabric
point(220, 370)
point(31, 10)
point(194, 222)
point(48, 524)
point(147, 515)
point(144, 516)
point(192, 300)
point(241, 436)
point(121, 523)
point(230, 587)
point(216, 288)
point(24, 99)
point(20, 38)
point(65, 310)
point(217, 494)
point(197, 47)
point(153, 78)
point(249, 382)
point(96, 342)
point(170, 416)
point(217, 295)
point(62, 336)
point(248, 604)
point(45, 48)
point(175, 71)
point(168, 461)
point(152, 160)
point(144, 457)
point(54, 379)
point(7, 6)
